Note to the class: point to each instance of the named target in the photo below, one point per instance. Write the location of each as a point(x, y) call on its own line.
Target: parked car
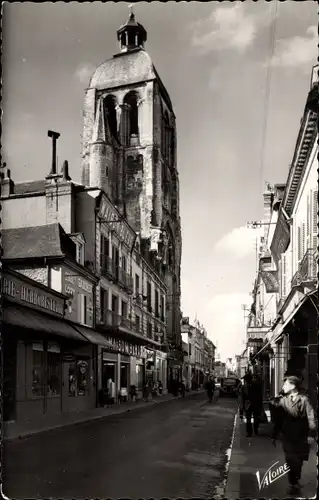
point(229, 387)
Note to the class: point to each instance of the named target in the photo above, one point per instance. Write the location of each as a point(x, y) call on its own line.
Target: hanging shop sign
point(108, 213)
point(21, 291)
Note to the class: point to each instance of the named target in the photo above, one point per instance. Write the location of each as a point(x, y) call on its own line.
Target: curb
point(27, 434)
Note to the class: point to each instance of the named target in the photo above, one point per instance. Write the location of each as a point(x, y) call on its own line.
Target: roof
point(122, 70)
point(29, 187)
point(127, 68)
point(36, 242)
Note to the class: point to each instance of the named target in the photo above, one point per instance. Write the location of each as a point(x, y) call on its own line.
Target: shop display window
point(54, 370)
point(38, 370)
point(82, 377)
point(124, 374)
point(79, 377)
point(139, 376)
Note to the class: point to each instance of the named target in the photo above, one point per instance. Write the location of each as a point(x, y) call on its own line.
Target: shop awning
point(32, 319)
point(93, 336)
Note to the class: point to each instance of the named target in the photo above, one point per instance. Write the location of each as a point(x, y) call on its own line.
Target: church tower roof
point(132, 35)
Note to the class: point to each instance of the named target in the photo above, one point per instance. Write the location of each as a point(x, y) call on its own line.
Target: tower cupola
point(132, 35)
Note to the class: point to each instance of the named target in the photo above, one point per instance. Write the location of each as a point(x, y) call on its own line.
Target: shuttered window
point(315, 220)
point(299, 250)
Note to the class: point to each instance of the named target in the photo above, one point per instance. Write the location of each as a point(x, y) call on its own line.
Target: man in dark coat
point(294, 417)
point(251, 403)
point(210, 388)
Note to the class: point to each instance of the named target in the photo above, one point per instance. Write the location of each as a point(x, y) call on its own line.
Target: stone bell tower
point(129, 150)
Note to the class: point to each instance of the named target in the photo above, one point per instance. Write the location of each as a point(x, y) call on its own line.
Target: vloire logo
point(272, 475)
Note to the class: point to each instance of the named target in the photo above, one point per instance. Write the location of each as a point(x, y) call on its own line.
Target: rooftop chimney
point(54, 136)
point(65, 171)
point(7, 184)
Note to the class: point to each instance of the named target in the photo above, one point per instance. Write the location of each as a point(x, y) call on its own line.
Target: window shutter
point(309, 215)
point(315, 220)
point(299, 244)
point(284, 275)
point(303, 240)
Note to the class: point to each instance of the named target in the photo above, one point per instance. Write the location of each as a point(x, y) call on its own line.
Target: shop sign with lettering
point(21, 291)
point(76, 287)
point(108, 213)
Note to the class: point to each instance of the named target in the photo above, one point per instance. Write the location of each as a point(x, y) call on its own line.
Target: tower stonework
point(129, 151)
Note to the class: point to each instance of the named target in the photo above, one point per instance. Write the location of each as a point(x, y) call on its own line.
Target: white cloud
point(229, 27)
point(240, 242)
point(227, 322)
point(84, 72)
point(298, 50)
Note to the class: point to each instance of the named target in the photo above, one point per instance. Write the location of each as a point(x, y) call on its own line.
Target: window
point(137, 284)
point(103, 304)
point(162, 308)
point(156, 304)
point(54, 370)
point(124, 262)
point(137, 323)
point(38, 370)
point(130, 128)
point(139, 377)
point(80, 377)
point(124, 309)
point(80, 253)
point(149, 296)
point(149, 330)
point(82, 317)
point(104, 252)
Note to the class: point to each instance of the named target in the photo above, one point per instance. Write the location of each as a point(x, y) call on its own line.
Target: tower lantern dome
point(132, 35)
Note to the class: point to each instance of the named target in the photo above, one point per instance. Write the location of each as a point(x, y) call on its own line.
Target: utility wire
point(274, 11)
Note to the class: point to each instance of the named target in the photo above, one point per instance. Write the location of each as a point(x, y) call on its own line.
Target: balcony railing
point(114, 320)
point(125, 280)
point(307, 269)
point(108, 268)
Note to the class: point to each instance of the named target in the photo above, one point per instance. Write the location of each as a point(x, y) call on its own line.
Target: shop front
point(48, 364)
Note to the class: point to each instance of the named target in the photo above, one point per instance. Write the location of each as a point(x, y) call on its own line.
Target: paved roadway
point(173, 449)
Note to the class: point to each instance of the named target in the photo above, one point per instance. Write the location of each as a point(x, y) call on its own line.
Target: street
point(173, 449)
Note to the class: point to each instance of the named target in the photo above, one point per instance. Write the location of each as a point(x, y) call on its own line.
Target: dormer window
point(79, 240)
point(80, 253)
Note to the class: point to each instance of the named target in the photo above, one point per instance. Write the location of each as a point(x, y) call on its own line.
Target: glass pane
point(37, 374)
point(72, 379)
point(82, 377)
point(54, 374)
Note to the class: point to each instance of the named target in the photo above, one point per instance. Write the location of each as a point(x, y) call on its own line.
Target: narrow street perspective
point(176, 449)
point(159, 250)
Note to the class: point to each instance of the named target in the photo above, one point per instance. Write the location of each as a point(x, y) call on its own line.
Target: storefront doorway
point(9, 363)
point(108, 372)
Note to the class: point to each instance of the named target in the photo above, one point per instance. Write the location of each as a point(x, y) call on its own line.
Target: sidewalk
point(250, 455)
point(21, 430)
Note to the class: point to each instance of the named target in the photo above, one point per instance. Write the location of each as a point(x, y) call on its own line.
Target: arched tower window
point(110, 114)
point(131, 119)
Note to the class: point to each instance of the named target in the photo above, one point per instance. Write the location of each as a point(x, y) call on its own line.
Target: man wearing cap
point(294, 419)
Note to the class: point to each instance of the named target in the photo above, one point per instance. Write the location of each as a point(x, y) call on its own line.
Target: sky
point(215, 59)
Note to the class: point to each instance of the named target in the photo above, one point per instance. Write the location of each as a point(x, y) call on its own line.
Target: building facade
point(123, 219)
point(288, 269)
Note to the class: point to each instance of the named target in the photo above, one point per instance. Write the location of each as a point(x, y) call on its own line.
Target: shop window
point(38, 370)
point(139, 377)
point(79, 378)
point(82, 377)
point(124, 374)
point(54, 370)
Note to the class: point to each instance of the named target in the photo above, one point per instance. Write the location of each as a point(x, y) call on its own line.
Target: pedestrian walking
point(251, 404)
point(210, 389)
point(294, 418)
